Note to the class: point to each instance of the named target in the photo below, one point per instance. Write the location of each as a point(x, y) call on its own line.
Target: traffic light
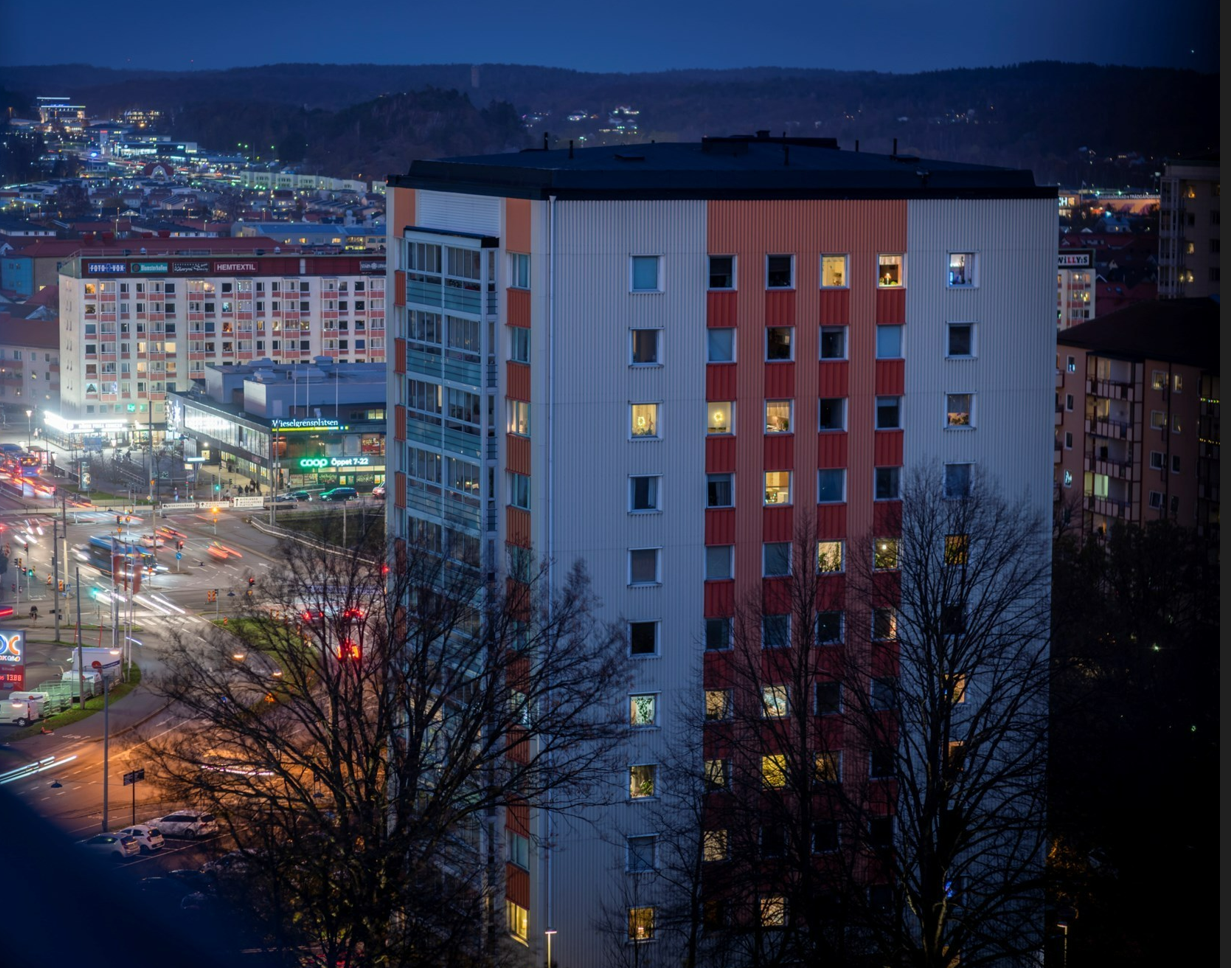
point(61, 584)
point(29, 572)
point(179, 546)
point(7, 552)
point(217, 488)
point(251, 582)
point(19, 564)
point(27, 547)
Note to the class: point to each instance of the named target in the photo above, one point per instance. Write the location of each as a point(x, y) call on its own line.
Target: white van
point(23, 708)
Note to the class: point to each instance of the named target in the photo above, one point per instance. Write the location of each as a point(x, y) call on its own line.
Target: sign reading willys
point(202, 267)
point(235, 267)
point(105, 268)
point(1076, 259)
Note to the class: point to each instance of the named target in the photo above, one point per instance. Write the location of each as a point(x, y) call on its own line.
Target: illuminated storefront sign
point(307, 423)
point(194, 267)
point(1077, 259)
point(145, 268)
point(372, 265)
point(235, 267)
point(311, 463)
point(106, 268)
point(12, 658)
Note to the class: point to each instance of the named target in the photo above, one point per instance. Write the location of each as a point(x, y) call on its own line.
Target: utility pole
point(55, 576)
point(80, 661)
point(106, 738)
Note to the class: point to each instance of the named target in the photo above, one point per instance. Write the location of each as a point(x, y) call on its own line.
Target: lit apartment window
point(643, 494)
point(888, 413)
point(831, 485)
point(714, 845)
point(829, 628)
point(885, 554)
point(833, 342)
point(890, 274)
point(958, 481)
point(641, 781)
point(777, 487)
point(717, 634)
point(957, 549)
point(1177, 382)
point(828, 698)
point(833, 272)
point(776, 559)
point(832, 413)
point(642, 638)
point(1175, 423)
point(645, 347)
point(719, 418)
point(518, 920)
point(773, 771)
point(779, 271)
point(955, 687)
point(1068, 478)
point(829, 557)
point(884, 624)
point(719, 562)
point(778, 416)
point(644, 421)
point(519, 270)
point(643, 566)
point(722, 272)
point(717, 775)
point(640, 924)
point(720, 345)
point(961, 270)
point(719, 490)
point(889, 342)
point(641, 852)
point(519, 418)
point(1158, 380)
point(1158, 420)
point(717, 704)
point(773, 910)
point(887, 483)
point(775, 702)
point(645, 273)
point(643, 710)
point(826, 767)
point(779, 344)
point(959, 409)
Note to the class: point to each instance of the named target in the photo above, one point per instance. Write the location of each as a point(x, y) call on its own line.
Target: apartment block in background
point(663, 359)
point(1188, 239)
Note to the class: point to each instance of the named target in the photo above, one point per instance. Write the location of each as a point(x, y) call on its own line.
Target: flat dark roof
point(739, 167)
point(1181, 331)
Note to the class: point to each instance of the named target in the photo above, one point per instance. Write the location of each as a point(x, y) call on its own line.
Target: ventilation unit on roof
point(621, 157)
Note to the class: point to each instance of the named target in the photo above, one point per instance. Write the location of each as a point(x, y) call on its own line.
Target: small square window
point(719, 491)
point(832, 413)
point(829, 557)
point(889, 342)
point(883, 763)
point(643, 710)
point(717, 634)
point(1158, 460)
point(828, 698)
point(1158, 380)
point(717, 775)
point(774, 771)
point(645, 347)
point(643, 494)
point(640, 924)
point(722, 272)
point(888, 413)
point(641, 853)
point(773, 910)
point(717, 704)
point(641, 781)
point(779, 271)
point(645, 273)
point(720, 345)
point(714, 845)
point(957, 549)
point(887, 483)
point(890, 273)
point(961, 338)
point(961, 270)
point(778, 416)
point(776, 559)
point(775, 631)
point(958, 480)
point(643, 638)
point(959, 409)
point(833, 272)
point(826, 767)
point(833, 342)
point(644, 424)
point(643, 566)
point(1156, 500)
point(884, 624)
point(775, 702)
point(831, 485)
point(719, 418)
point(777, 487)
point(779, 344)
point(824, 836)
point(718, 562)
point(829, 628)
point(885, 554)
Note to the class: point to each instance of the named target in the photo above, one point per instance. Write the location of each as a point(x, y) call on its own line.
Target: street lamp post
point(29, 428)
point(550, 932)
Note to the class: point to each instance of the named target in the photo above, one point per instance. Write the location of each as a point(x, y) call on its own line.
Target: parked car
point(163, 887)
point(197, 882)
point(186, 823)
point(379, 491)
point(148, 838)
point(286, 498)
point(117, 845)
point(339, 494)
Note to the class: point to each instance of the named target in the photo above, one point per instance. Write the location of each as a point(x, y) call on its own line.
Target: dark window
point(884, 692)
point(643, 638)
point(717, 634)
point(778, 274)
point(888, 483)
point(883, 763)
point(645, 346)
point(718, 491)
point(824, 836)
point(773, 841)
point(833, 343)
point(961, 339)
point(829, 628)
point(776, 631)
point(778, 341)
point(828, 698)
point(833, 413)
point(880, 832)
point(722, 272)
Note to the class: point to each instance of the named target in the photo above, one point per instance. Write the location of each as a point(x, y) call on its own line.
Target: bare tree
point(365, 734)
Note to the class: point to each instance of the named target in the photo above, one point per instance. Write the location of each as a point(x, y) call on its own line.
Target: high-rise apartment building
point(1076, 278)
point(133, 329)
point(662, 359)
point(1188, 238)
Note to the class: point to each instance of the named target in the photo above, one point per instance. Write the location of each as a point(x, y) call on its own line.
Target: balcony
point(1114, 429)
point(1114, 469)
point(1111, 508)
point(1111, 389)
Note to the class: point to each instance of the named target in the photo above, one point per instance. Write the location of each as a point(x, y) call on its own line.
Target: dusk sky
point(902, 36)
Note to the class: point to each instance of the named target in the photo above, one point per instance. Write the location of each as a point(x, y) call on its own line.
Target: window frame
point(632, 347)
point(790, 418)
point(658, 503)
point(653, 768)
point(730, 481)
point(632, 417)
point(658, 274)
point(970, 423)
point(897, 489)
point(883, 327)
point(709, 274)
point(876, 413)
point(970, 481)
point(972, 270)
point(790, 357)
point(765, 552)
point(654, 653)
point(841, 613)
point(729, 406)
point(654, 706)
point(825, 709)
point(974, 346)
point(658, 568)
point(790, 256)
point(790, 489)
point(846, 269)
point(841, 557)
point(730, 569)
point(628, 857)
point(820, 425)
point(901, 257)
point(730, 330)
point(516, 260)
point(841, 471)
point(845, 332)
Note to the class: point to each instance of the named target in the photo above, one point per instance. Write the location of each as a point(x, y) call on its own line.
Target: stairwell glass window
point(962, 270)
point(833, 342)
point(831, 485)
point(889, 342)
point(888, 413)
point(645, 273)
point(519, 270)
point(719, 418)
point(722, 272)
point(891, 271)
point(779, 272)
point(720, 345)
point(719, 491)
point(643, 566)
point(644, 347)
point(960, 340)
point(959, 410)
point(833, 272)
point(643, 494)
point(644, 421)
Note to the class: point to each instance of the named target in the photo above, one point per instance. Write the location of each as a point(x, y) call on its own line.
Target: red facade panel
point(399, 423)
point(890, 377)
point(399, 288)
point(831, 522)
point(778, 524)
point(720, 526)
point(517, 454)
point(719, 455)
point(517, 885)
point(721, 308)
point(399, 356)
point(831, 450)
point(720, 381)
point(517, 381)
point(887, 518)
point(517, 527)
point(780, 307)
point(888, 448)
point(720, 599)
point(890, 306)
point(835, 307)
point(518, 301)
point(780, 452)
point(833, 378)
point(399, 490)
point(779, 381)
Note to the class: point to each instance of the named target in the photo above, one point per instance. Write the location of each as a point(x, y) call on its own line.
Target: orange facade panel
point(780, 307)
point(399, 490)
point(890, 306)
point(779, 381)
point(517, 224)
point(780, 452)
point(399, 356)
point(831, 450)
point(399, 288)
point(517, 450)
point(720, 381)
point(399, 423)
point(720, 526)
point(719, 455)
point(890, 377)
point(831, 522)
point(833, 378)
point(517, 885)
point(518, 301)
point(720, 599)
point(517, 381)
point(888, 448)
point(517, 526)
point(835, 307)
point(721, 308)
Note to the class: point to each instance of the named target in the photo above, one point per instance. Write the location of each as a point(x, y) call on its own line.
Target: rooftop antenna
point(786, 154)
point(570, 149)
point(544, 140)
point(856, 144)
point(895, 147)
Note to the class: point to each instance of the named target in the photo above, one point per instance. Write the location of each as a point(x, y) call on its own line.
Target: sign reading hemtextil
point(1076, 259)
point(105, 268)
point(235, 267)
point(316, 462)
